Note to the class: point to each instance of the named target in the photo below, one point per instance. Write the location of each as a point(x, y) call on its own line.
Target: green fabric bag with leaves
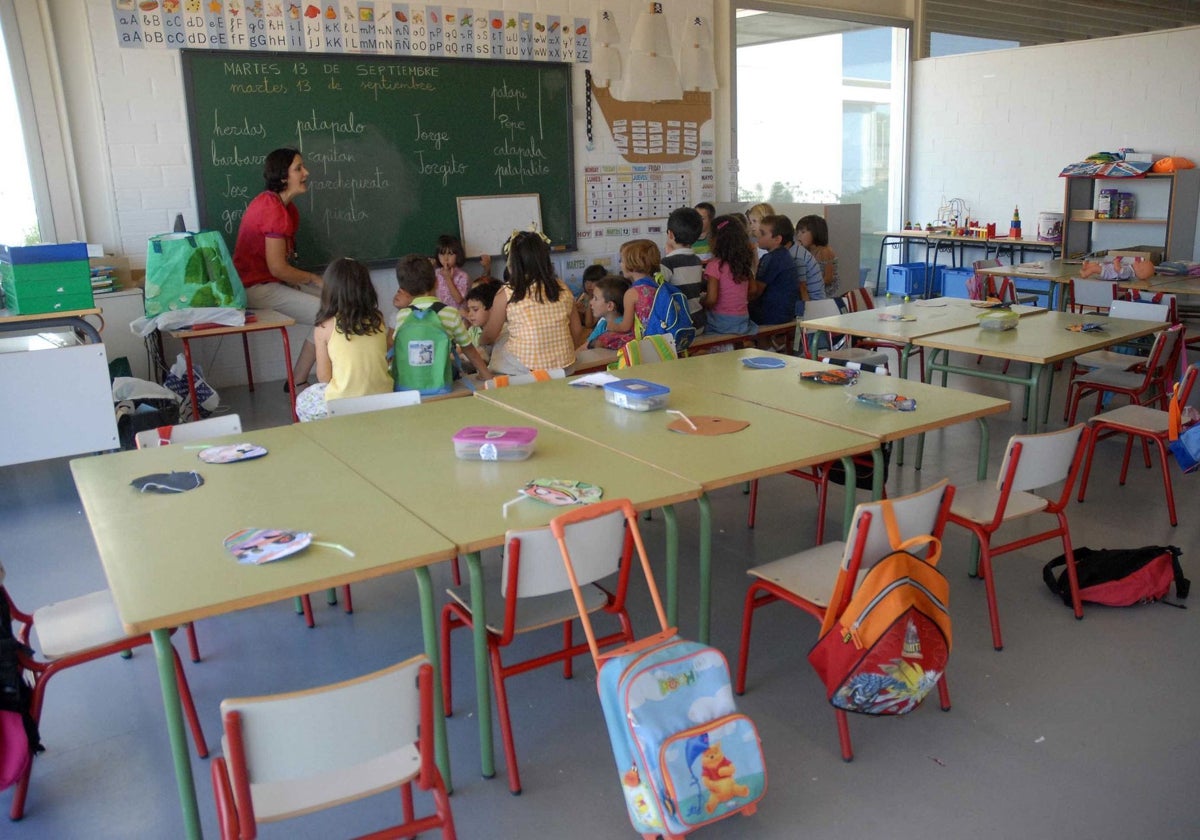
point(187, 270)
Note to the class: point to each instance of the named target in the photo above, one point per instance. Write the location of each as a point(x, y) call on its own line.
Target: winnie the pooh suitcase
point(685, 756)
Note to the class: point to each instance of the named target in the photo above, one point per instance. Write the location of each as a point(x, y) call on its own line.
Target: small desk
point(1042, 342)
point(932, 316)
point(408, 454)
point(1181, 285)
point(938, 241)
point(1055, 273)
point(166, 564)
point(76, 319)
point(265, 319)
point(781, 388)
point(775, 442)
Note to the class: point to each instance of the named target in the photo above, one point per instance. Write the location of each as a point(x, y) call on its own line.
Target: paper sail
point(231, 452)
point(255, 546)
point(172, 482)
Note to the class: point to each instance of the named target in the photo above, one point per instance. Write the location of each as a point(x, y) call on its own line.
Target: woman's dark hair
point(815, 225)
point(729, 244)
point(454, 245)
point(349, 298)
point(275, 168)
point(529, 268)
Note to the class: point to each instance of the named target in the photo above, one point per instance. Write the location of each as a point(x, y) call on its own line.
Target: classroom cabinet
point(1164, 214)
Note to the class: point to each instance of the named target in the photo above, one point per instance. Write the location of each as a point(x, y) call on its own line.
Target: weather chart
point(373, 28)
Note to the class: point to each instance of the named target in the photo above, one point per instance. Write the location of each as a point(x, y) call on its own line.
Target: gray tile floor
point(1076, 729)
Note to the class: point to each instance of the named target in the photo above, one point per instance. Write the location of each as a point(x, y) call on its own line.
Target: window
point(821, 114)
point(18, 213)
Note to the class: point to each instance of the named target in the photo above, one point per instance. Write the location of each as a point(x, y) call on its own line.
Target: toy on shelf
point(1118, 269)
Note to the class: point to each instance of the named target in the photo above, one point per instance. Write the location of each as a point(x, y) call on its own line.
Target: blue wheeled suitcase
point(685, 756)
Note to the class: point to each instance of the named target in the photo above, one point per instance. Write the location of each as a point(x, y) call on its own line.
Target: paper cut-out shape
point(255, 546)
point(231, 452)
point(706, 425)
point(172, 482)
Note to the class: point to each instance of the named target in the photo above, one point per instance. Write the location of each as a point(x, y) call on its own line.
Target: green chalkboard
point(390, 143)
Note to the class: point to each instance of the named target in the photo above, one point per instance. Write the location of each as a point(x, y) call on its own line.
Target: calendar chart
point(635, 192)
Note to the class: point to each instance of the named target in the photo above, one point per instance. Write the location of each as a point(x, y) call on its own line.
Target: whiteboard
point(487, 221)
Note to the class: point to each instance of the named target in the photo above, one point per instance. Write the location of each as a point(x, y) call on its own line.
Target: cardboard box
point(1152, 252)
point(45, 278)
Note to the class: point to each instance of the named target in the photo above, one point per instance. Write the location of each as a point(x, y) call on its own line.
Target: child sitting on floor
point(350, 339)
point(608, 307)
point(425, 329)
point(479, 304)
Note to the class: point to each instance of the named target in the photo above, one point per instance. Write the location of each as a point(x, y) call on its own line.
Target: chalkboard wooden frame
point(487, 221)
point(408, 125)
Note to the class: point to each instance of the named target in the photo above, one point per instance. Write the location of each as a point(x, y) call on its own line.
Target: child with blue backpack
point(426, 332)
point(660, 307)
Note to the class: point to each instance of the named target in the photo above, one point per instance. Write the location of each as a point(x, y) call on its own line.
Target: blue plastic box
point(908, 279)
point(29, 254)
point(637, 394)
point(952, 282)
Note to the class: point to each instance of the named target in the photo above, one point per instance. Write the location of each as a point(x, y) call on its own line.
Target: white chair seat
point(77, 625)
point(1113, 378)
point(1110, 359)
point(978, 502)
point(810, 574)
point(280, 800)
point(1139, 417)
point(533, 613)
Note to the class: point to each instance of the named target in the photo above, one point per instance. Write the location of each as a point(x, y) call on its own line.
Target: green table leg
point(672, 565)
point(981, 474)
point(429, 631)
point(1033, 392)
point(705, 566)
point(877, 474)
point(165, 659)
point(483, 693)
point(904, 353)
point(850, 485)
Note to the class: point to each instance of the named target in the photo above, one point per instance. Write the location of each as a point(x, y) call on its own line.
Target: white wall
point(129, 121)
point(996, 128)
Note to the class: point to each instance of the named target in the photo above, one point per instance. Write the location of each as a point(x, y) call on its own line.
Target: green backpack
point(422, 354)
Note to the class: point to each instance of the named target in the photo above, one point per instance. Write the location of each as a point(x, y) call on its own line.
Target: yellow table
point(775, 442)
point(1042, 342)
point(409, 455)
point(781, 388)
point(931, 316)
point(166, 564)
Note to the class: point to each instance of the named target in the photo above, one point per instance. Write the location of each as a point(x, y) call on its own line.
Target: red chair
point(287, 755)
point(1030, 462)
point(70, 633)
point(859, 300)
point(809, 579)
point(1143, 387)
point(533, 592)
point(1142, 422)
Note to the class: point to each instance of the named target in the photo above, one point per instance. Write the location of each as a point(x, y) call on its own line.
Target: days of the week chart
point(637, 192)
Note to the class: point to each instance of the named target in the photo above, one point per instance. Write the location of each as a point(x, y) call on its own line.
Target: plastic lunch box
point(636, 394)
point(494, 443)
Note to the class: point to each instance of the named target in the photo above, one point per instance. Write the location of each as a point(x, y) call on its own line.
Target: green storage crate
point(36, 288)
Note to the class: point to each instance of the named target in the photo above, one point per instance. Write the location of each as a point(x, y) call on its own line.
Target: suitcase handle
point(558, 527)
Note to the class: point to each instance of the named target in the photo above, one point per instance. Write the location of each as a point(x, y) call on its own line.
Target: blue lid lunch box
point(637, 394)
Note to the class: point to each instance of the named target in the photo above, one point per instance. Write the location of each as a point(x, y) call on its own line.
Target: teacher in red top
point(266, 248)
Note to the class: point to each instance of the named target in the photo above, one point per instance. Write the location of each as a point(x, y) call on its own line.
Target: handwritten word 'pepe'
point(424, 135)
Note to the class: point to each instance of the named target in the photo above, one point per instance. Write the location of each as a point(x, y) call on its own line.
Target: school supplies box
point(494, 443)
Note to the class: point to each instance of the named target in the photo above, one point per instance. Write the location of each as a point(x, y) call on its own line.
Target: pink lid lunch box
point(494, 443)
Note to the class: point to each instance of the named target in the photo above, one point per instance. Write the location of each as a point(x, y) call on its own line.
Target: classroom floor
point(1076, 729)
